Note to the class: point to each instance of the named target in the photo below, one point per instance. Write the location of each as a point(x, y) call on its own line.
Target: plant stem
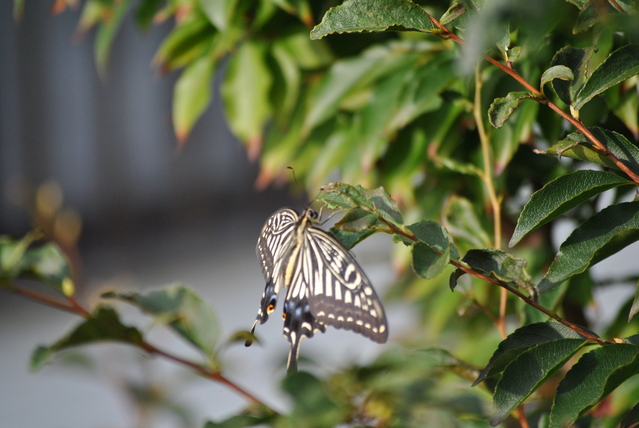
point(488, 179)
point(75, 308)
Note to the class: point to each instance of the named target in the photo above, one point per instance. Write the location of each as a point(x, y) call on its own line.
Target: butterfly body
point(324, 284)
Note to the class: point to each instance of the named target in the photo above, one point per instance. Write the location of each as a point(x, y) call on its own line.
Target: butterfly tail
point(267, 305)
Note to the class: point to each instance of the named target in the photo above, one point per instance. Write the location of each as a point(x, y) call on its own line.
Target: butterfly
point(325, 284)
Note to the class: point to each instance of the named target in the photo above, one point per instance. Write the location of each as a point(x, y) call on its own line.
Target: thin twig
point(508, 287)
point(541, 98)
point(73, 307)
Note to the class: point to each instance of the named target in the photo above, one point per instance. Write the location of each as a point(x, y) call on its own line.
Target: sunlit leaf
point(592, 378)
point(599, 237)
point(560, 196)
point(619, 66)
point(373, 15)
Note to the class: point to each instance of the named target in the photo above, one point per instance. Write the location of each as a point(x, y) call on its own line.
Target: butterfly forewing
point(277, 238)
point(325, 283)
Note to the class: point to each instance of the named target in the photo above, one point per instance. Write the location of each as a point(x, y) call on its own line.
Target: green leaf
point(377, 201)
point(601, 236)
point(145, 13)
point(631, 419)
point(619, 146)
point(49, 265)
point(560, 196)
point(427, 264)
point(577, 146)
point(435, 236)
point(501, 108)
point(219, 12)
point(373, 15)
point(461, 220)
point(357, 220)
point(313, 407)
point(635, 305)
point(522, 339)
point(103, 324)
point(245, 91)
point(350, 239)
point(501, 266)
point(192, 95)
point(347, 75)
point(619, 66)
point(182, 310)
point(556, 72)
point(593, 377)
point(240, 421)
point(188, 41)
point(528, 371)
point(577, 61)
point(106, 34)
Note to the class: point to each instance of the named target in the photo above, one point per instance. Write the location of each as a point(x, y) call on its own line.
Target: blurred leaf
point(619, 66)
point(103, 324)
point(522, 339)
point(12, 257)
point(560, 196)
point(288, 90)
point(182, 310)
point(246, 94)
point(455, 10)
point(631, 419)
point(599, 237)
point(347, 75)
point(577, 61)
point(240, 421)
point(461, 220)
point(593, 377)
point(106, 34)
point(501, 108)
point(529, 370)
point(635, 304)
point(219, 12)
point(188, 41)
point(501, 266)
point(192, 95)
point(377, 201)
point(313, 407)
point(373, 15)
point(146, 11)
point(45, 263)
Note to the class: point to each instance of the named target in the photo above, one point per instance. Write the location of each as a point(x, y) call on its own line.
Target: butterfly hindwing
point(342, 295)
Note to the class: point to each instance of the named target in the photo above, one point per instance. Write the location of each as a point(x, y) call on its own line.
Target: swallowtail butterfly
point(325, 285)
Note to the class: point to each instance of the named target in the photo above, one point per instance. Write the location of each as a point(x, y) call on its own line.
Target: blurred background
point(102, 151)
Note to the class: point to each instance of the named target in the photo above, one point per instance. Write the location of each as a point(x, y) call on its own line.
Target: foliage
point(454, 123)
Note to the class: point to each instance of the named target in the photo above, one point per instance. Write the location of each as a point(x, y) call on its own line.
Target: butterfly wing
point(340, 293)
point(275, 242)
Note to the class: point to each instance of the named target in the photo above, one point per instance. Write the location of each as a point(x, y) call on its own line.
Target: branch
point(508, 287)
point(72, 306)
point(542, 99)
